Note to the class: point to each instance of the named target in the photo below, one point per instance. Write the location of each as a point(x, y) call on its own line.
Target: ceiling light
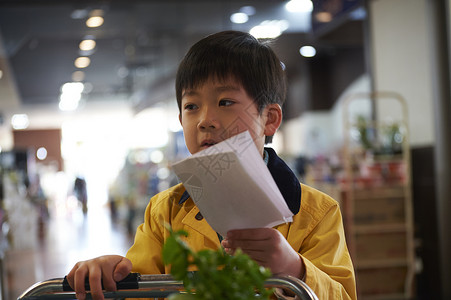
point(70, 95)
point(41, 153)
point(248, 10)
point(94, 21)
point(66, 105)
point(87, 45)
point(265, 32)
point(299, 6)
point(79, 14)
point(323, 17)
point(239, 18)
point(69, 101)
point(78, 76)
point(72, 88)
point(82, 62)
point(269, 29)
point(307, 51)
point(358, 14)
point(20, 121)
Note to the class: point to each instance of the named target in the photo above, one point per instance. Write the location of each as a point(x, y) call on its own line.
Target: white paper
point(232, 187)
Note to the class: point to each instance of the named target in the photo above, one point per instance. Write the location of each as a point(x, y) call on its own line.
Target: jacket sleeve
point(145, 253)
point(329, 269)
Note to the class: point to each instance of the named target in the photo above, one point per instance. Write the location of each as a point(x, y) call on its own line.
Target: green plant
point(364, 133)
point(218, 275)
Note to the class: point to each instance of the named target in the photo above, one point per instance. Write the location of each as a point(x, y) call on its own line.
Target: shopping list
point(232, 187)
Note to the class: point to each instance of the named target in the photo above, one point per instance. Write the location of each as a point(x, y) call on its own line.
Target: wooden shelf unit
point(377, 210)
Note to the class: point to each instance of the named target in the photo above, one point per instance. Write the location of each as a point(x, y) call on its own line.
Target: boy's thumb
point(123, 268)
point(118, 276)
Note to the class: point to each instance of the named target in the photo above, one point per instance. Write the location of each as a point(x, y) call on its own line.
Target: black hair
point(234, 55)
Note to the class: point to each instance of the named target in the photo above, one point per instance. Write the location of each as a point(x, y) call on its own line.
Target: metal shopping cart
point(150, 286)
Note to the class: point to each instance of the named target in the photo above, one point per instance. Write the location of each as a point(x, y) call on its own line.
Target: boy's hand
point(268, 247)
point(107, 269)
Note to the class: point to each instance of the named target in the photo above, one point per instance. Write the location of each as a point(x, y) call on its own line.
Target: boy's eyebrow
point(189, 93)
point(222, 88)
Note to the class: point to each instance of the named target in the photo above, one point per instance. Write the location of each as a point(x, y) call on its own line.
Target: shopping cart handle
point(149, 286)
point(128, 283)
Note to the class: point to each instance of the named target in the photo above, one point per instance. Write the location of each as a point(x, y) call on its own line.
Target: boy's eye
point(225, 102)
point(190, 106)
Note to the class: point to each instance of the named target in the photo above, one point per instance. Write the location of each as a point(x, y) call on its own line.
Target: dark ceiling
point(137, 48)
point(140, 41)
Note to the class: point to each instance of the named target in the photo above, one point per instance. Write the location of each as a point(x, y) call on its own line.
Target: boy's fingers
point(78, 282)
point(107, 279)
point(70, 276)
point(122, 269)
point(245, 244)
point(95, 284)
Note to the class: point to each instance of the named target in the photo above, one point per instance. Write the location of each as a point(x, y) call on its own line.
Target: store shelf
point(379, 192)
point(377, 205)
point(380, 228)
point(382, 263)
point(398, 296)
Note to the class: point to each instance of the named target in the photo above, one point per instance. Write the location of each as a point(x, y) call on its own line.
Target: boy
point(228, 83)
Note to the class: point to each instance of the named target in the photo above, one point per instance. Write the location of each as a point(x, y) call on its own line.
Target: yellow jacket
point(316, 233)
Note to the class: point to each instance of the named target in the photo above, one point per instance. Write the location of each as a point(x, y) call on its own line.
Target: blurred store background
point(89, 126)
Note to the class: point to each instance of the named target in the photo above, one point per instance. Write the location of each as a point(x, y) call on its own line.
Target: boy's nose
point(208, 121)
point(207, 124)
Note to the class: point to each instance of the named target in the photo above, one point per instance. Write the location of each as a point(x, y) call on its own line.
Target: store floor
point(65, 239)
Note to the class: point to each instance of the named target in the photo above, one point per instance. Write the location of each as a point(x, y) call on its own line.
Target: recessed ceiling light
point(78, 76)
point(79, 14)
point(248, 10)
point(269, 29)
point(20, 121)
point(307, 51)
point(70, 95)
point(94, 21)
point(323, 16)
point(72, 88)
point(82, 62)
point(87, 45)
point(239, 18)
point(299, 6)
point(41, 153)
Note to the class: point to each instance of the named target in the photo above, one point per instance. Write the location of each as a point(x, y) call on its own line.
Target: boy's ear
point(273, 118)
point(180, 119)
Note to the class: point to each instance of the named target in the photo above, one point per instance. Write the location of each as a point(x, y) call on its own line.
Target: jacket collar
point(286, 181)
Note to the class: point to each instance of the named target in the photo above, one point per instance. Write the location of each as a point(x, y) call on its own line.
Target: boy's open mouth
point(208, 143)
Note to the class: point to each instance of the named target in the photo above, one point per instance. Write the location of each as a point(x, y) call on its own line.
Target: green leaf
point(218, 275)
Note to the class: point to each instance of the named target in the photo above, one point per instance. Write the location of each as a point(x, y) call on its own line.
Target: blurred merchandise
point(146, 172)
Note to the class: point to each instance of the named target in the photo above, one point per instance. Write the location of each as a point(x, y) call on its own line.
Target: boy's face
point(215, 111)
